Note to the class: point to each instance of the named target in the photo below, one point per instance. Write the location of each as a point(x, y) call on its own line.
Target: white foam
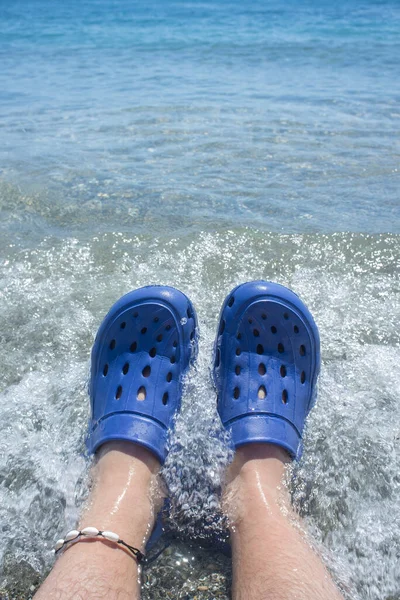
point(347, 485)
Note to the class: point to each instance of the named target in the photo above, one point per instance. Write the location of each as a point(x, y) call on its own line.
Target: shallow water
point(54, 296)
point(184, 114)
point(200, 145)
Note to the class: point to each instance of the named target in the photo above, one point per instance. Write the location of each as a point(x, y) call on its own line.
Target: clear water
point(200, 145)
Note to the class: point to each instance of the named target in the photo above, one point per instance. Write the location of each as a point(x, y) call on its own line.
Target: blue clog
point(141, 352)
point(267, 360)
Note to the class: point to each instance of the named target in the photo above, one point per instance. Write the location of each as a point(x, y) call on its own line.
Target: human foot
point(141, 352)
point(266, 365)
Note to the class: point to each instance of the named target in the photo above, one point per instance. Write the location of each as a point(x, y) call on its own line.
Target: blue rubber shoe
point(266, 364)
point(141, 352)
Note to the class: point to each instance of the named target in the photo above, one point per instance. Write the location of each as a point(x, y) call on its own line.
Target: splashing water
point(346, 485)
point(137, 144)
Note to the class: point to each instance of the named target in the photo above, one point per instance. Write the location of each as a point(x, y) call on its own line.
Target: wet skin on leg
point(125, 498)
point(272, 559)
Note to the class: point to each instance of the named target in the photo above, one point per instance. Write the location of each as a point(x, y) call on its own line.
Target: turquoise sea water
point(200, 144)
point(280, 115)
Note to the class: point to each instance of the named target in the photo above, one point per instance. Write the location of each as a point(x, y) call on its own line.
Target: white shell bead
point(110, 535)
point(58, 545)
point(90, 531)
point(71, 535)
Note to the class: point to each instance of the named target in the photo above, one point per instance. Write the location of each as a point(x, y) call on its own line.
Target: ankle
point(267, 459)
point(263, 450)
point(121, 453)
point(255, 480)
point(118, 462)
point(127, 492)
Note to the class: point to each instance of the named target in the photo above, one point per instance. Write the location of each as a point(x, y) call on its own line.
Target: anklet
point(91, 532)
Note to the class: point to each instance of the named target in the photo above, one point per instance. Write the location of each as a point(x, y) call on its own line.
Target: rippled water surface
point(200, 144)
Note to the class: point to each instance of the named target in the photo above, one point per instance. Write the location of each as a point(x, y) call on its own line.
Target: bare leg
point(271, 557)
point(124, 499)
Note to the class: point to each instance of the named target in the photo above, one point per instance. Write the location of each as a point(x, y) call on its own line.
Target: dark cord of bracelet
point(138, 555)
point(135, 551)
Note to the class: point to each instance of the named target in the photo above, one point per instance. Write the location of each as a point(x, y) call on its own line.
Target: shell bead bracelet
point(91, 532)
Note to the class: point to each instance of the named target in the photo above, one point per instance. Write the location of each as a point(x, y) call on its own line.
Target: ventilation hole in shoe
point(263, 316)
point(133, 347)
point(189, 313)
point(285, 316)
point(302, 350)
point(231, 301)
point(250, 321)
point(302, 377)
point(105, 370)
point(135, 314)
point(256, 333)
point(262, 392)
point(153, 352)
point(273, 329)
point(123, 325)
point(296, 329)
point(284, 396)
point(175, 344)
point(281, 348)
point(146, 371)
point(217, 357)
point(141, 393)
point(222, 327)
point(118, 393)
point(159, 337)
point(169, 377)
point(143, 330)
point(236, 393)
point(239, 336)
point(125, 368)
point(261, 369)
point(283, 371)
point(112, 344)
point(237, 369)
point(192, 335)
point(167, 327)
point(173, 359)
point(156, 319)
point(238, 352)
point(260, 349)
point(165, 398)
